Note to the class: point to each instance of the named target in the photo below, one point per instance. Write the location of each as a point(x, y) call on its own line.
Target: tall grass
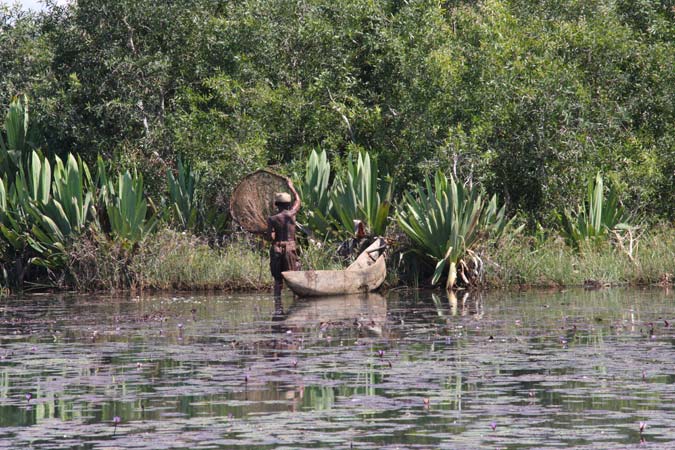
point(320, 256)
point(180, 261)
point(169, 261)
point(553, 263)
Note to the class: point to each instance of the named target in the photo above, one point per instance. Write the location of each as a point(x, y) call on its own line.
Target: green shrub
point(363, 194)
point(446, 221)
point(42, 211)
point(20, 138)
point(317, 207)
point(125, 205)
point(183, 203)
point(596, 219)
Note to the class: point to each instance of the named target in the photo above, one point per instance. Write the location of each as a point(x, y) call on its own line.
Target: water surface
point(571, 369)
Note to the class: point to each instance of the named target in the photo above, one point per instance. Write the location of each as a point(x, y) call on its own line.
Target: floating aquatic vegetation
point(426, 381)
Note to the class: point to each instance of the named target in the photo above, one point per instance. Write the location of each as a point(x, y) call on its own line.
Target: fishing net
point(252, 201)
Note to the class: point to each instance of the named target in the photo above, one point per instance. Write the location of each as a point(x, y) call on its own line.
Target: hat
point(282, 197)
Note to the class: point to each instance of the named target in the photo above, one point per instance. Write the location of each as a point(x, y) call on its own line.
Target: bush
point(447, 221)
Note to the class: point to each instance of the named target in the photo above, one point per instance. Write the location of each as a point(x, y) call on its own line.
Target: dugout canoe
point(365, 274)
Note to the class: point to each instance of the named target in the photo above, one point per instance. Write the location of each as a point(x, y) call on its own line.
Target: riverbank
point(168, 261)
point(178, 261)
point(525, 262)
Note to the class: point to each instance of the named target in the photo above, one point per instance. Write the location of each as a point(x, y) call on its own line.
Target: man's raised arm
point(296, 204)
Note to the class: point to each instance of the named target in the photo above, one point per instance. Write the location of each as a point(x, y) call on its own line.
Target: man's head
point(282, 200)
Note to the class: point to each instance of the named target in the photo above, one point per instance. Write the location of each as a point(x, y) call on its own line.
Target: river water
point(573, 369)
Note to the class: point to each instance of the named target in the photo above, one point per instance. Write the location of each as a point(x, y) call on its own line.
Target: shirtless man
point(281, 230)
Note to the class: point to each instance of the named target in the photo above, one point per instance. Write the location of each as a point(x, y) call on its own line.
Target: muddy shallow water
point(574, 369)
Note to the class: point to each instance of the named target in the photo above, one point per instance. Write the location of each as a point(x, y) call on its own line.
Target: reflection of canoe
point(365, 274)
point(369, 310)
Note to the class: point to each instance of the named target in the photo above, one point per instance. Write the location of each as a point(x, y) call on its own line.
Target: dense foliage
point(447, 221)
point(529, 99)
point(600, 215)
point(181, 98)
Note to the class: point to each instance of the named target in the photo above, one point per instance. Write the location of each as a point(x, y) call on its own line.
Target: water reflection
point(367, 312)
point(576, 369)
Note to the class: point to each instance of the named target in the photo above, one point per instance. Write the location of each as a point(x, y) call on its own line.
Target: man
point(281, 230)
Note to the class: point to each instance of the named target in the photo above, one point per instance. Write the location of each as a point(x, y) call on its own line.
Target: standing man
point(281, 230)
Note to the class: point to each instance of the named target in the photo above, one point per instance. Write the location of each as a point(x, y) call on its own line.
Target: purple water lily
point(28, 396)
point(116, 421)
point(643, 425)
point(493, 425)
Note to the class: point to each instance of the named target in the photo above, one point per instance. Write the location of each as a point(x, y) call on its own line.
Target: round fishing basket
point(252, 201)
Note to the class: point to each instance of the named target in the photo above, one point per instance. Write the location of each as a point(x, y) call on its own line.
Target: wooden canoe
point(365, 274)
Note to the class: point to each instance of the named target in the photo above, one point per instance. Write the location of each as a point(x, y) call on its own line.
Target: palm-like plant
point(182, 195)
point(363, 195)
point(599, 215)
point(124, 205)
point(19, 138)
point(127, 208)
point(43, 210)
point(313, 190)
point(446, 220)
point(63, 211)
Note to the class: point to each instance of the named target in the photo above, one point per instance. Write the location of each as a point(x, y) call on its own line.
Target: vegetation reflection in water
point(419, 370)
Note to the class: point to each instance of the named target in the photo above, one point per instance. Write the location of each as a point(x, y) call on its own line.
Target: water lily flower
point(493, 425)
point(29, 396)
point(643, 425)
